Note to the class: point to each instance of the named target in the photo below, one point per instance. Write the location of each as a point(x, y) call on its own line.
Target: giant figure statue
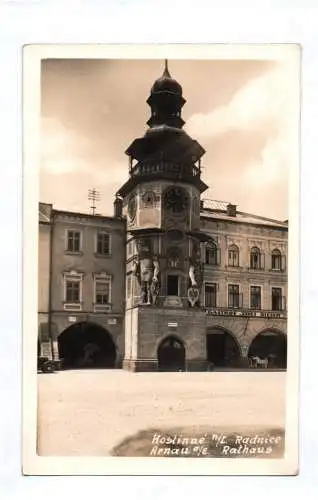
point(147, 272)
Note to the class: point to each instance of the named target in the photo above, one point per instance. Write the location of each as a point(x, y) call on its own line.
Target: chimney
point(231, 210)
point(118, 207)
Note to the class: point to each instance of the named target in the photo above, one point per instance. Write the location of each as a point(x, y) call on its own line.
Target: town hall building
point(171, 281)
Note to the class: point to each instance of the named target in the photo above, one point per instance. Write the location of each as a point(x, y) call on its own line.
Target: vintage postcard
point(161, 309)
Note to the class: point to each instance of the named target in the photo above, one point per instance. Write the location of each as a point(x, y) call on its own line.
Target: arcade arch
point(86, 345)
point(270, 344)
point(222, 348)
point(171, 354)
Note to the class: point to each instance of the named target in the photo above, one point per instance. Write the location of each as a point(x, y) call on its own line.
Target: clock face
point(132, 206)
point(176, 200)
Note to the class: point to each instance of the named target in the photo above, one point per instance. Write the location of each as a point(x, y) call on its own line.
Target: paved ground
point(88, 412)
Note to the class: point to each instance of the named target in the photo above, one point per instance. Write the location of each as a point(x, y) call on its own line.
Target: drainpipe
point(50, 289)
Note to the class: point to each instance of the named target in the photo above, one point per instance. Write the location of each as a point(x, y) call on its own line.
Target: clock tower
point(164, 323)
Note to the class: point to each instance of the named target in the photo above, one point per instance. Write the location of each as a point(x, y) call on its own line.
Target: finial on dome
point(166, 71)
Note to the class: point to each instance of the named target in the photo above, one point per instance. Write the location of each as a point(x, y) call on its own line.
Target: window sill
point(72, 306)
point(102, 255)
point(102, 307)
point(71, 252)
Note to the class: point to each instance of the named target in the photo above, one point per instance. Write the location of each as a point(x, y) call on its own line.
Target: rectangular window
point(255, 297)
point(210, 295)
point(234, 296)
point(72, 294)
point(277, 299)
point(102, 292)
point(172, 284)
point(73, 241)
point(103, 243)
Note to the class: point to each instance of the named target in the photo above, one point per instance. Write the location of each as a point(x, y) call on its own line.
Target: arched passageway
point(86, 345)
point(171, 355)
point(271, 345)
point(222, 348)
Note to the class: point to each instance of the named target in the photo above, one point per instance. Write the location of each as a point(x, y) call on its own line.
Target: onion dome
point(166, 83)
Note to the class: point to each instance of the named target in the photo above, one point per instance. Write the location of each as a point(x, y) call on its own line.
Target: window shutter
point(218, 256)
point(262, 261)
point(283, 263)
point(241, 300)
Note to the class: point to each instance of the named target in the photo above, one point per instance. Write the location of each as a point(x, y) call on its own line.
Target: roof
point(45, 211)
point(217, 210)
point(88, 216)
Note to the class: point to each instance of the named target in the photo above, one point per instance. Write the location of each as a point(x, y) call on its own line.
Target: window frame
point(238, 294)
point(212, 248)
point(103, 232)
point(235, 250)
point(282, 305)
point(73, 277)
point(278, 255)
point(261, 259)
point(67, 249)
point(207, 284)
point(103, 278)
point(260, 297)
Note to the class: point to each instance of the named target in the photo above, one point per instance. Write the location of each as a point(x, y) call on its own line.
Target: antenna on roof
point(93, 196)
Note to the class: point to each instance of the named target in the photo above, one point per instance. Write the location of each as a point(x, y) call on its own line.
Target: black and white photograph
point(161, 280)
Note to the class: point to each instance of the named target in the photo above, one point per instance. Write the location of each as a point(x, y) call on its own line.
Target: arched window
point(233, 256)
point(255, 258)
point(276, 260)
point(212, 254)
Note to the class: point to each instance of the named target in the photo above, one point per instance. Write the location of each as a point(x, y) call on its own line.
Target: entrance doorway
point(271, 345)
point(172, 284)
point(222, 348)
point(171, 355)
point(86, 345)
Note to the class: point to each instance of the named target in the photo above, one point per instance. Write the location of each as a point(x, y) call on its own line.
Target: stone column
point(244, 355)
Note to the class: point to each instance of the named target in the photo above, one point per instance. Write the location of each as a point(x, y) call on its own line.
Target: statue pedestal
point(172, 301)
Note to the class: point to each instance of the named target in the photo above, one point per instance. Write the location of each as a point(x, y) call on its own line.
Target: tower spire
point(166, 70)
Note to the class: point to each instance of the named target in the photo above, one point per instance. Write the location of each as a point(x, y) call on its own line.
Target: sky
point(240, 111)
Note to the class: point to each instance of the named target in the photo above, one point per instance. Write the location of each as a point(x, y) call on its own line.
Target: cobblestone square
point(89, 412)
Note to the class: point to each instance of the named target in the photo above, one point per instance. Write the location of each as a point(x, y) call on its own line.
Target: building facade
point(171, 281)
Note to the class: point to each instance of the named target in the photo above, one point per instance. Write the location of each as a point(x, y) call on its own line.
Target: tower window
point(172, 284)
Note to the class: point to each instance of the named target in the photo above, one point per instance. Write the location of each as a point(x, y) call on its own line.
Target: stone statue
point(147, 271)
point(192, 275)
point(193, 290)
point(155, 287)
